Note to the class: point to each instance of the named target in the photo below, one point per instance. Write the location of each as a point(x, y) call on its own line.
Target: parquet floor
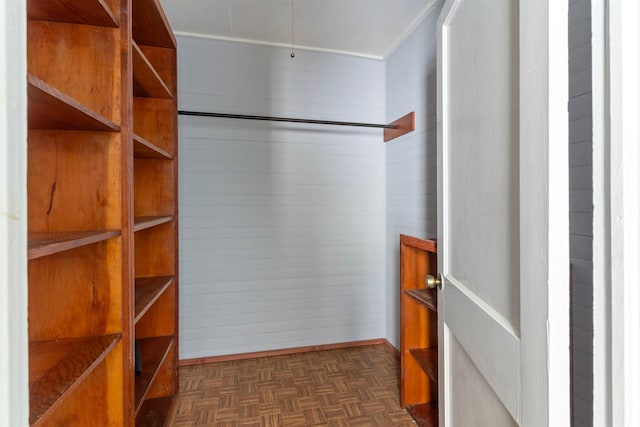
point(347, 387)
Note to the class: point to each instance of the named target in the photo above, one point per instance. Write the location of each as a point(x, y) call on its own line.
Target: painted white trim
point(624, 205)
point(601, 250)
point(14, 363)
point(273, 44)
point(558, 257)
point(426, 11)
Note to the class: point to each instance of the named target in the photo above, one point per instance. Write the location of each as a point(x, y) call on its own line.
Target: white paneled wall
point(581, 209)
point(411, 159)
point(281, 226)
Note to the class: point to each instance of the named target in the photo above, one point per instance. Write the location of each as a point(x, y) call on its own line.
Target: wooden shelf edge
point(144, 222)
point(153, 353)
point(93, 12)
point(429, 245)
point(147, 81)
point(51, 109)
point(150, 24)
point(424, 414)
point(427, 358)
point(143, 149)
point(76, 358)
point(427, 297)
point(156, 412)
point(43, 244)
point(147, 291)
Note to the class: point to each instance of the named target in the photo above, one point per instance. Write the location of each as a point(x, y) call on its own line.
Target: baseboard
point(391, 348)
point(284, 351)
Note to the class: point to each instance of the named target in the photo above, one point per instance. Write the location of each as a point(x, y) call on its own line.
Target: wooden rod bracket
point(405, 124)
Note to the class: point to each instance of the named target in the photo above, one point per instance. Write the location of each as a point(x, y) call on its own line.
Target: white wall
point(581, 209)
point(14, 356)
point(281, 225)
point(411, 159)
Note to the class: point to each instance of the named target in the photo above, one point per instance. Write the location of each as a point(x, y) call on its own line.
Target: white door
point(503, 213)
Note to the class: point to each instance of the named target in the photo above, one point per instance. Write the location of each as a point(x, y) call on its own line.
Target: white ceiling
point(361, 27)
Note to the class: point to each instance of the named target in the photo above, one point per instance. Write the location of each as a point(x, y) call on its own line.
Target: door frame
point(616, 215)
point(544, 206)
point(14, 356)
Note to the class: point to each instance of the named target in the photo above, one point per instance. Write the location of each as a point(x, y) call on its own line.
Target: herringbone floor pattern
point(348, 387)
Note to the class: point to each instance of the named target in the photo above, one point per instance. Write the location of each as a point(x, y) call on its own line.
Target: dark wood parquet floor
point(356, 386)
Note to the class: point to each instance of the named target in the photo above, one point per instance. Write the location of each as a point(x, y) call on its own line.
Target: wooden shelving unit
point(418, 331)
point(155, 210)
point(102, 218)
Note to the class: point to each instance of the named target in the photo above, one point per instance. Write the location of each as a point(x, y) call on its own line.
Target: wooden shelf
point(57, 366)
point(424, 414)
point(150, 25)
point(148, 289)
point(418, 331)
point(428, 297)
point(153, 351)
point(144, 222)
point(43, 244)
point(90, 12)
point(155, 412)
point(143, 149)
point(427, 358)
point(51, 109)
point(147, 83)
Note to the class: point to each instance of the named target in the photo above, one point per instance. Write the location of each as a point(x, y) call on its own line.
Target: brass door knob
point(431, 282)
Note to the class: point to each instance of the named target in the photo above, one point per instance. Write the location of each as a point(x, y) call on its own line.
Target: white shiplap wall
point(281, 225)
point(581, 209)
point(411, 159)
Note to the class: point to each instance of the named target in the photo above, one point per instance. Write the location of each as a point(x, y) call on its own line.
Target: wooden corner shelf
point(51, 109)
point(150, 24)
point(428, 297)
point(418, 331)
point(427, 358)
point(155, 412)
point(425, 414)
point(57, 366)
point(143, 149)
point(146, 80)
point(90, 12)
point(43, 244)
point(144, 222)
point(153, 351)
point(148, 290)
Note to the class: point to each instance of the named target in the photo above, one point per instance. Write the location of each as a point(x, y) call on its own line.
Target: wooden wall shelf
point(427, 358)
point(418, 331)
point(153, 352)
point(143, 149)
point(428, 297)
point(44, 244)
point(150, 25)
point(146, 80)
point(56, 367)
point(148, 290)
point(51, 109)
point(90, 12)
point(93, 181)
point(144, 222)
point(153, 412)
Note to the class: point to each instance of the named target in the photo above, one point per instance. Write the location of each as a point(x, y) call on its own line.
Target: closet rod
point(284, 119)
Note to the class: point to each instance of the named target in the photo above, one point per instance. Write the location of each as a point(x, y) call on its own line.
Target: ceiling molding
point(279, 45)
point(411, 28)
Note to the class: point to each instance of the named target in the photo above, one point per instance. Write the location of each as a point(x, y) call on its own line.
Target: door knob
point(431, 281)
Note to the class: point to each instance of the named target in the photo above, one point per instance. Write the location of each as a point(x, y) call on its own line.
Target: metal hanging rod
point(285, 119)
